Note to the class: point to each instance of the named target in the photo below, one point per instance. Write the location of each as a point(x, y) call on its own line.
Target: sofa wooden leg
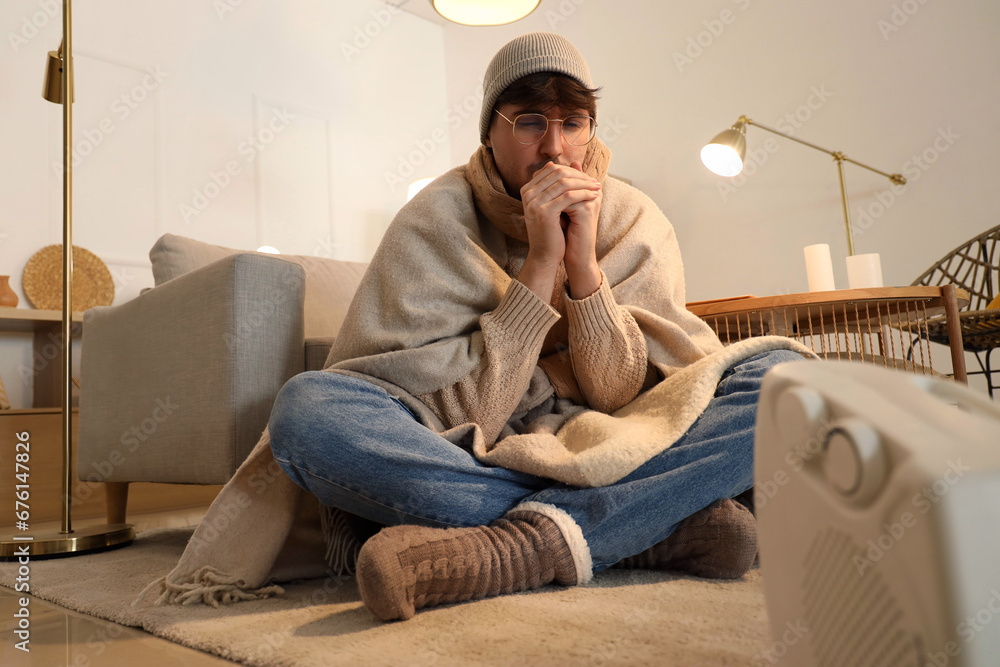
point(115, 500)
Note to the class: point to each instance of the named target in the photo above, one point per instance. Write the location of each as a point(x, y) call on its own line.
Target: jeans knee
point(748, 374)
point(775, 357)
point(298, 385)
point(760, 363)
point(290, 404)
point(278, 428)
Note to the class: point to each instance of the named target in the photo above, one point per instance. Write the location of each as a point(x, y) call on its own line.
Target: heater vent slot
point(853, 618)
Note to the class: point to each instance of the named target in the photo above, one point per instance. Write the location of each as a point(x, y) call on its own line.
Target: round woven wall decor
point(42, 279)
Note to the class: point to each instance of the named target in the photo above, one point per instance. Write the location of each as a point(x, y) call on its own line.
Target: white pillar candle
point(819, 268)
point(864, 271)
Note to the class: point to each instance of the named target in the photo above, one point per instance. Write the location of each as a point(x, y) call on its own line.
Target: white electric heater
point(878, 507)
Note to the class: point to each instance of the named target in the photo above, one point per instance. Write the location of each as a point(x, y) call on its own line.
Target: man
point(512, 307)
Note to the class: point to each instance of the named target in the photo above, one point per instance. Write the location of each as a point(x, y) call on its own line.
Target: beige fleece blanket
point(596, 449)
point(412, 328)
point(261, 528)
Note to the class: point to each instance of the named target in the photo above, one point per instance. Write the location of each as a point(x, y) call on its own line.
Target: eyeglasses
point(529, 128)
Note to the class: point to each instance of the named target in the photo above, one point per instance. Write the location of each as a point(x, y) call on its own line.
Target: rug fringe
point(206, 586)
point(342, 544)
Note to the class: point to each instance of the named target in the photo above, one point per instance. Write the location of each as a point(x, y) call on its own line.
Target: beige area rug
point(621, 618)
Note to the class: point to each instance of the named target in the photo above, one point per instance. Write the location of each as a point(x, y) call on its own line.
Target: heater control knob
point(854, 460)
point(801, 412)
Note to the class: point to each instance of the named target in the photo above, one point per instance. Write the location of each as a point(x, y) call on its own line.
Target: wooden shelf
point(30, 320)
point(34, 411)
point(46, 329)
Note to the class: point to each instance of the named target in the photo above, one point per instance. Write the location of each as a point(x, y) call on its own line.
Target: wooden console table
point(876, 325)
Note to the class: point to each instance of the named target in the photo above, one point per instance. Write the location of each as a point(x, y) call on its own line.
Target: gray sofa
point(178, 383)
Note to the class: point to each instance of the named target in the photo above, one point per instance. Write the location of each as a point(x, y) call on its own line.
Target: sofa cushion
point(330, 283)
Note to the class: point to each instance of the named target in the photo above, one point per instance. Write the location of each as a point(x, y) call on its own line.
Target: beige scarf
point(506, 212)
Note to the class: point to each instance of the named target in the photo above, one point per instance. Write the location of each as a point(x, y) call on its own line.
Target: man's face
point(518, 162)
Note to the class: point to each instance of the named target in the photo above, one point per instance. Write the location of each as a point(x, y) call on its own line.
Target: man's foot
point(405, 568)
point(718, 542)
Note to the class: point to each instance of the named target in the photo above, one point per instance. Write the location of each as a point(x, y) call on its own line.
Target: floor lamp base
point(53, 544)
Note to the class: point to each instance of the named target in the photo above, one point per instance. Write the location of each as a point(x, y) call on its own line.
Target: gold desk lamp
point(724, 155)
point(58, 88)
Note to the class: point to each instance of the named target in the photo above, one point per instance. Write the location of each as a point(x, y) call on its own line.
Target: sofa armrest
point(177, 384)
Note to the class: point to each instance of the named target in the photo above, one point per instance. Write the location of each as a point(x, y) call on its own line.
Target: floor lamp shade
point(54, 73)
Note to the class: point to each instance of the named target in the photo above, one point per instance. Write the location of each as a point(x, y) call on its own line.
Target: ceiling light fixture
point(484, 12)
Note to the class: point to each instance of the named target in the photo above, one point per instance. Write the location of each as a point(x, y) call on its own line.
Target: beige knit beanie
point(529, 54)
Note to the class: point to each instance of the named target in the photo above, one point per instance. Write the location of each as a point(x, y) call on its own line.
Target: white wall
point(887, 80)
point(406, 104)
point(237, 122)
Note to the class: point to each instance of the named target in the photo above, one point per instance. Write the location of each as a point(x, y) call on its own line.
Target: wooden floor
point(60, 637)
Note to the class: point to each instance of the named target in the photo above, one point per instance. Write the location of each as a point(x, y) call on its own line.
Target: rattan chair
point(975, 267)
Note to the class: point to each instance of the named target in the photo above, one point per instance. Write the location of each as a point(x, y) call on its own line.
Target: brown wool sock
point(718, 542)
point(746, 499)
point(405, 568)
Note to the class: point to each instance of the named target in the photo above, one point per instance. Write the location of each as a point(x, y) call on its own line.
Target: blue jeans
point(357, 448)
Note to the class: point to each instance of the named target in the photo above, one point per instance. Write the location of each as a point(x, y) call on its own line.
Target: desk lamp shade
point(725, 153)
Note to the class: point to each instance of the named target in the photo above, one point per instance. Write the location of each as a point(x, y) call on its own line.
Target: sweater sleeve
point(607, 350)
point(512, 337)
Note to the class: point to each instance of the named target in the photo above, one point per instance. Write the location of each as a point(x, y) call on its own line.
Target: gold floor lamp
point(724, 155)
point(58, 88)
